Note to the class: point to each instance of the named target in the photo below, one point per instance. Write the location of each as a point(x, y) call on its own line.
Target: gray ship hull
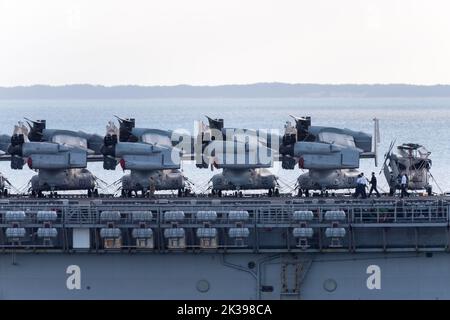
point(225, 276)
point(256, 248)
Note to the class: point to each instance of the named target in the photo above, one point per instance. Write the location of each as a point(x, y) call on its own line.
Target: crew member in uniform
point(152, 188)
point(358, 187)
point(404, 185)
point(373, 187)
point(363, 182)
point(361, 186)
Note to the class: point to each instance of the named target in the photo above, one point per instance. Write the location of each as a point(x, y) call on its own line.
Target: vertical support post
point(255, 226)
point(376, 138)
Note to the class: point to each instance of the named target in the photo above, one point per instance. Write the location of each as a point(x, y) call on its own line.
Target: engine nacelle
point(345, 159)
point(302, 148)
point(134, 148)
point(30, 148)
point(45, 155)
point(316, 155)
point(142, 156)
point(70, 159)
point(159, 161)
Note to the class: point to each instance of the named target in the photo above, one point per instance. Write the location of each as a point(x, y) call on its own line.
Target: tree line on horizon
point(257, 90)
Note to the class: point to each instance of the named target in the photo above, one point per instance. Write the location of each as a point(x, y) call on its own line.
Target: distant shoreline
point(257, 90)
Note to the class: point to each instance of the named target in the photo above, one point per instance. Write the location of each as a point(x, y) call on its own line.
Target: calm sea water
point(423, 121)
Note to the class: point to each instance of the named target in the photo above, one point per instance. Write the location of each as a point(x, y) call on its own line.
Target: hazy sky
point(224, 41)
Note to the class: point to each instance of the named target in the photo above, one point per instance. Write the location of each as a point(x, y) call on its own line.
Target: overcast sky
point(224, 41)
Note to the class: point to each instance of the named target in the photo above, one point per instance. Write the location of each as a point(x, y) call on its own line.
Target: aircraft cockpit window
point(424, 153)
point(404, 153)
point(337, 138)
point(156, 139)
point(70, 140)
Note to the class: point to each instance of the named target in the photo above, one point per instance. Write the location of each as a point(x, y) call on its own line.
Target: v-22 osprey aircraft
point(59, 156)
point(149, 154)
point(331, 155)
point(243, 155)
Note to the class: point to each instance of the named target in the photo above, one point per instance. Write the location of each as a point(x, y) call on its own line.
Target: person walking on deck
point(373, 185)
point(404, 186)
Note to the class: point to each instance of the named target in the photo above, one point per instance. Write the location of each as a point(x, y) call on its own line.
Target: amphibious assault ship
point(237, 248)
point(214, 246)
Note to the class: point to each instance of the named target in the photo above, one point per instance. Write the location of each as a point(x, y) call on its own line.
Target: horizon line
point(226, 84)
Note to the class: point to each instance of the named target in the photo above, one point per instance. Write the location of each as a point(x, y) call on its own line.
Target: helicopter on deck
point(411, 159)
